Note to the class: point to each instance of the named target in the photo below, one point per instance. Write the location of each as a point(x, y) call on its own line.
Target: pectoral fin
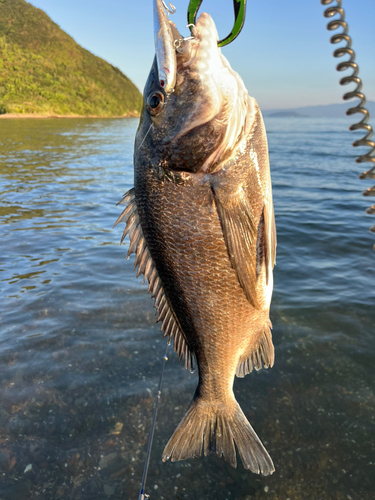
point(240, 235)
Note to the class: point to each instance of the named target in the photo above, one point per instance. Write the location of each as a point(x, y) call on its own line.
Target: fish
point(201, 224)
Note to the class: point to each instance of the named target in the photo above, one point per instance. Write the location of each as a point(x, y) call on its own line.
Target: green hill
point(44, 71)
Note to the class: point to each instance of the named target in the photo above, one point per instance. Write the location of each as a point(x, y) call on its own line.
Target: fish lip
point(164, 47)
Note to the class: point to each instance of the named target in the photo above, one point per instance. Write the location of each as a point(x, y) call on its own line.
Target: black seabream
point(201, 223)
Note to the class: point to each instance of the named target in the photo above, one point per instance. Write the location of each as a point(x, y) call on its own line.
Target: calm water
point(81, 355)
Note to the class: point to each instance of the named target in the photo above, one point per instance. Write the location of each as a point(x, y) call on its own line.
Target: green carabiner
point(239, 18)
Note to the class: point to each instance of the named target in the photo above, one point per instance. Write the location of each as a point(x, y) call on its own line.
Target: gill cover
point(164, 46)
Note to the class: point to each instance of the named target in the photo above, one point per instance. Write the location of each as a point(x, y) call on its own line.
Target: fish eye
point(155, 103)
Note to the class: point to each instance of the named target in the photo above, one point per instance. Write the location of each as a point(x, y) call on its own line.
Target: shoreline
point(8, 116)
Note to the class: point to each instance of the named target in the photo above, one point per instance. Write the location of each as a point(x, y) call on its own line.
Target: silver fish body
point(164, 47)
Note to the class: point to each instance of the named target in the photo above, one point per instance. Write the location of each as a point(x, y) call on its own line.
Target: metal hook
point(180, 41)
point(171, 9)
point(239, 18)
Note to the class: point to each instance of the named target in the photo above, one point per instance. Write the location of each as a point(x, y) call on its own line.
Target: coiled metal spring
point(353, 78)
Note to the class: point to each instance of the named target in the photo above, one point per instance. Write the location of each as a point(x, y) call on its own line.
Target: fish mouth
point(168, 42)
point(201, 88)
point(200, 52)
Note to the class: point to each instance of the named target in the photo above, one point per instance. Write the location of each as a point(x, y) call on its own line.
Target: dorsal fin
point(146, 267)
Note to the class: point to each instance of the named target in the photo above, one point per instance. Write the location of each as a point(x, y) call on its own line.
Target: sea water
point(80, 353)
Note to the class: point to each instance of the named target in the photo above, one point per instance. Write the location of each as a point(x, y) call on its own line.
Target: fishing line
point(150, 127)
point(353, 78)
point(142, 494)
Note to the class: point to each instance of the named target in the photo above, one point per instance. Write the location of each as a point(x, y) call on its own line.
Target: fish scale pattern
point(185, 238)
point(146, 267)
point(182, 227)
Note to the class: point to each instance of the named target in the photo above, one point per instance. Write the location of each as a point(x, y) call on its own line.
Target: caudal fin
point(216, 429)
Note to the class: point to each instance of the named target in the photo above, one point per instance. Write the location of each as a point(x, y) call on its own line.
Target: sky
point(283, 53)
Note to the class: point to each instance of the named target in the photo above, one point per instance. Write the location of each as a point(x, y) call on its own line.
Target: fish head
point(193, 120)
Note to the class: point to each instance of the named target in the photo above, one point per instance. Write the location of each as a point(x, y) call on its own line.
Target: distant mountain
point(327, 111)
point(286, 114)
point(44, 71)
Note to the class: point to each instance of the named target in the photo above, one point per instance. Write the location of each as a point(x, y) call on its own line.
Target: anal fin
point(263, 353)
point(147, 268)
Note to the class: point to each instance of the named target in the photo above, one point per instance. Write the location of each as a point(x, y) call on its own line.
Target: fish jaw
point(209, 100)
point(197, 62)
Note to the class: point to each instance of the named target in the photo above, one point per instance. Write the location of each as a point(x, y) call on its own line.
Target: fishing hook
point(171, 9)
point(180, 41)
point(239, 18)
point(357, 92)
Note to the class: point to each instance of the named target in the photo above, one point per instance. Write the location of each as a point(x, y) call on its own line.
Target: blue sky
point(283, 54)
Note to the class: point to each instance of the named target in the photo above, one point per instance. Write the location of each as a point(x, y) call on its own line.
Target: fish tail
point(217, 428)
